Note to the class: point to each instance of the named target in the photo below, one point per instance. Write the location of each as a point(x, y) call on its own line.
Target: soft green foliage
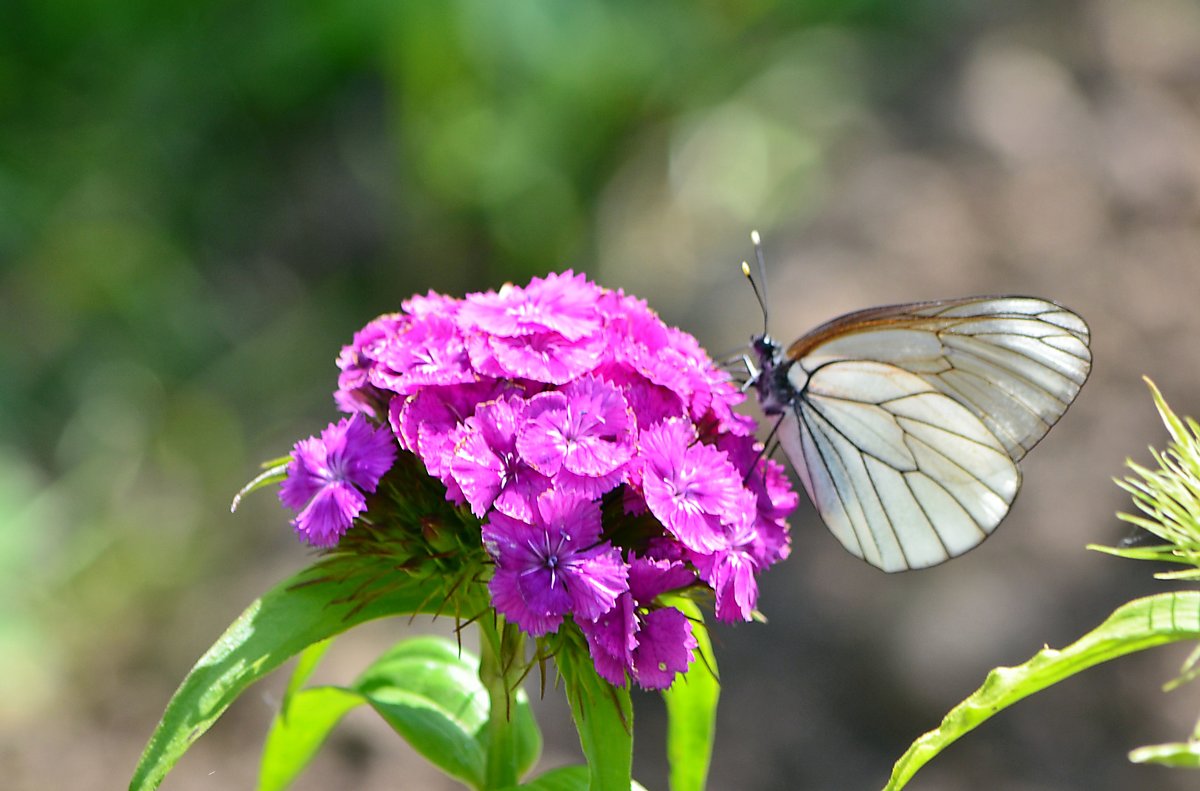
point(692, 709)
point(603, 717)
point(566, 778)
point(1136, 626)
point(299, 731)
point(428, 690)
point(1169, 498)
point(317, 603)
point(1181, 755)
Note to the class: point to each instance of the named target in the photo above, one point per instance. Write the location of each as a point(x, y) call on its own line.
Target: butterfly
point(905, 423)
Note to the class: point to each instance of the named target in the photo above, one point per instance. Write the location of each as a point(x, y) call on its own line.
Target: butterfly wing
point(910, 419)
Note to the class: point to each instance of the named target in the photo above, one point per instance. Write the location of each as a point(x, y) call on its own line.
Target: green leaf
point(430, 693)
point(432, 697)
point(309, 659)
point(603, 717)
point(299, 730)
point(692, 708)
point(565, 778)
point(274, 472)
point(316, 604)
point(426, 689)
point(1136, 626)
point(1180, 755)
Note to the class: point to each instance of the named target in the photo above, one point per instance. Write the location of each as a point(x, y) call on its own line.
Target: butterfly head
point(769, 375)
point(769, 366)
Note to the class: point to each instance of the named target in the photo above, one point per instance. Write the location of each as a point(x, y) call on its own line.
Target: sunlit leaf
point(603, 717)
point(565, 778)
point(1136, 626)
point(1180, 755)
point(692, 709)
point(316, 604)
point(299, 731)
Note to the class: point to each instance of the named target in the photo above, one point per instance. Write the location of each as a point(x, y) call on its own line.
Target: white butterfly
point(905, 422)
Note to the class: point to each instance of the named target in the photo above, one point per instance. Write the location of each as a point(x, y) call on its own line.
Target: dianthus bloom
point(326, 477)
point(597, 447)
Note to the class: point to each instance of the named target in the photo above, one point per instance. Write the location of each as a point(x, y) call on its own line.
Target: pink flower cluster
point(540, 408)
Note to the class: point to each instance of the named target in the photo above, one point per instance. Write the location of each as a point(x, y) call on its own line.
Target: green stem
point(502, 656)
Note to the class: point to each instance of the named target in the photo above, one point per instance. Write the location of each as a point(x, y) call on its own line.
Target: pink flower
point(564, 304)
point(423, 353)
point(487, 467)
point(581, 436)
point(554, 566)
point(649, 643)
point(542, 407)
point(326, 477)
point(692, 488)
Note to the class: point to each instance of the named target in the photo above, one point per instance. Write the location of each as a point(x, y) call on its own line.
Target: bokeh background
point(200, 202)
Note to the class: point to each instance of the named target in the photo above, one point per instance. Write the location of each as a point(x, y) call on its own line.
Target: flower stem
point(501, 658)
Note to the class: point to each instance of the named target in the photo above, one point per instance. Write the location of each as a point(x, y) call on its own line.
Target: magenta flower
point(424, 353)
point(774, 497)
point(692, 488)
point(326, 477)
point(649, 643)
point(581, 436)
point(487, 467)
point(554, 567)
point(563, 304)
point(539, 408)
point(731, 573)
point(355, 393)
point(543, 357)
point(426, 424)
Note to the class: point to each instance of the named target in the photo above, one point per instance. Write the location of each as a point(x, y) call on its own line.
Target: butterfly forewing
point(908, 420)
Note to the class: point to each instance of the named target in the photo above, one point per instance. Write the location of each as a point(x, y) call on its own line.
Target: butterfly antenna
point(759, 286)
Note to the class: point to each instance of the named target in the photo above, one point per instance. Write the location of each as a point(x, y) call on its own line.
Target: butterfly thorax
point(776, 392)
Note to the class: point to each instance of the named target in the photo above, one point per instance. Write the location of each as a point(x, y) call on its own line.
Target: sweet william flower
point(650, 644)
point(590, 454)
point(581, 436)
point(555, 566)
point(692, 488)
point(327, 476)
point(565, 304)
point(486, 466)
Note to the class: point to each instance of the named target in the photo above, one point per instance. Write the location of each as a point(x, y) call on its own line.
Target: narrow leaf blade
point(565, 778)
point(603, 718)
point(692, 709)
point(316, 604)
point(299, 731)
point(1135, 626)
point(430, 693)
point(1179, 755)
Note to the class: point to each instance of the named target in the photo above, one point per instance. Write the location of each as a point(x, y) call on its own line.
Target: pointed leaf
point(430, 693)
point(299, 731)
point(1181, 755)
point(603, 717)
point(565, 778)
point(1136, 626)
point(305, 665)
point(317, 603)
point(692, 709)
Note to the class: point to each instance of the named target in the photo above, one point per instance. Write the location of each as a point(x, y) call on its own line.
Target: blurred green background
point(199, 203)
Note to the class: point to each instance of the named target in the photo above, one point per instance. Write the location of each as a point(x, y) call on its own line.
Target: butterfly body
point(905, 422)
point(776, 392)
